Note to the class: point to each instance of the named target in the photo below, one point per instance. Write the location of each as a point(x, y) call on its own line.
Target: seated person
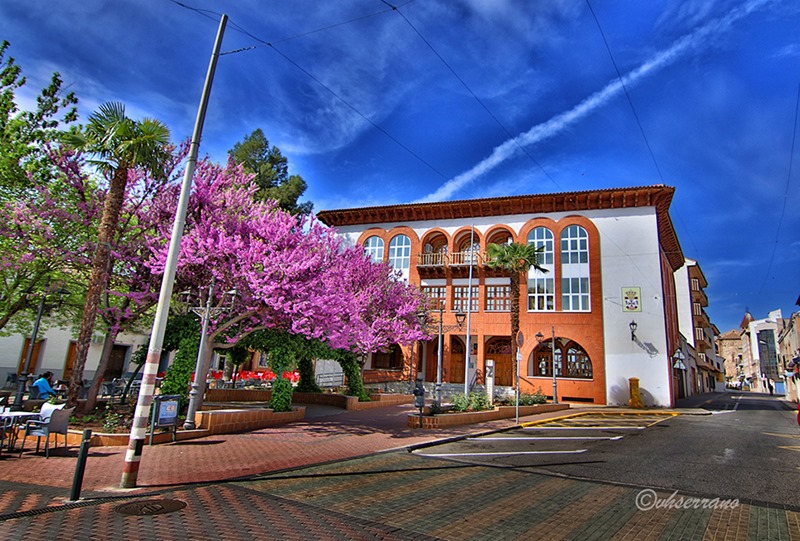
point(44, 385)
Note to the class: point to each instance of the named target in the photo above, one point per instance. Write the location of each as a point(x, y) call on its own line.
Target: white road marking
point(549, 438)
point(584, 428)
point(442, 455)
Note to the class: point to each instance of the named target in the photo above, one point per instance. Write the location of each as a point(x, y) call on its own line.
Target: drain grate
point(150, 507)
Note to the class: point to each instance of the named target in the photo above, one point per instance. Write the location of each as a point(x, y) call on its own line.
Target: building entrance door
point(73, 346)
point(499, 349)
point(37, 347)
point(431, 350)
point(456, 360)
point(116, 362)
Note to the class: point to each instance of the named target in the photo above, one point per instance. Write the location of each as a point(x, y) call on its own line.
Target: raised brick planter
point(473, 417)
point(224, 421)
point(378, 400)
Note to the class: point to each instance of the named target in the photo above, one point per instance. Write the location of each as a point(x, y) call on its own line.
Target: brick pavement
point(293, 483)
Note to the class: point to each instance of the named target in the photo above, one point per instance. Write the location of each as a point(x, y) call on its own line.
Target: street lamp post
point(200, 369)
point(26, 366)
point(422, 317)
point(460, 317)
point(539, 338)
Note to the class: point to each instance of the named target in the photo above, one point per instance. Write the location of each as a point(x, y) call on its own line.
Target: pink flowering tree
point(289, 273)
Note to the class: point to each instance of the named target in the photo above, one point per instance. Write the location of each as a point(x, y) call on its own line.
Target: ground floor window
point(542, 360)
point(388, 360)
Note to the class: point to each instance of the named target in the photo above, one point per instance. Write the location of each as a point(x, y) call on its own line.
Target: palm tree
point(119, 144)
point(516, 259)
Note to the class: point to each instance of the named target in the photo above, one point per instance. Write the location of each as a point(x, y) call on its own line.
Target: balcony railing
point(436, 259)
point(465, 259)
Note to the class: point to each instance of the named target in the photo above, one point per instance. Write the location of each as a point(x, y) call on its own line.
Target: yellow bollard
point(636, 397)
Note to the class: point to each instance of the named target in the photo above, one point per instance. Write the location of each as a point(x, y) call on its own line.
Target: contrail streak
point(558, 123)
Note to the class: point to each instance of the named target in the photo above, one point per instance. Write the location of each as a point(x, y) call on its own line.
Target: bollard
point(80, 467)
point(636, 397)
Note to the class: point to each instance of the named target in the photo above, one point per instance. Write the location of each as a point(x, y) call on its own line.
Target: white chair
point(56, 423)
point(5, 429)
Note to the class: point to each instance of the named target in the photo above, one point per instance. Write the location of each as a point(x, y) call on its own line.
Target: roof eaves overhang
point(658, 196)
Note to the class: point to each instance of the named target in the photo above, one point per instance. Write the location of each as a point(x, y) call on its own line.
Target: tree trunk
point(94, 389)
point(99, 279)
point(514, 324)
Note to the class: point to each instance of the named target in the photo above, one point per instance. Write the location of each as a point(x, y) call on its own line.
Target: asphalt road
point(745, 446)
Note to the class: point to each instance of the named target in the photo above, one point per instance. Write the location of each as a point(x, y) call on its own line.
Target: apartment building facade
point(705, 369)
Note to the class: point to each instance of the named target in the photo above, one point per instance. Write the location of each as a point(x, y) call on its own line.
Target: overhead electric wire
point(467, 87)
point(271, 44)
point(785, 195)
point(636, 117)
point(625, 89)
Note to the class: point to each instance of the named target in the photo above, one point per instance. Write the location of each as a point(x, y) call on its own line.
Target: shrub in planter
point(459, 402)
point(471, 402)
point(281, 395)
point(532, 399)
point(479, 402)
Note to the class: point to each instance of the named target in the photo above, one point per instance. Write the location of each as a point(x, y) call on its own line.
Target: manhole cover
point(150, 507)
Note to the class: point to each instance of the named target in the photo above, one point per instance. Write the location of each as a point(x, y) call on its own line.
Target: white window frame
point(400, 252)
point(373, 247)
point(575, 286)
point(541, 287)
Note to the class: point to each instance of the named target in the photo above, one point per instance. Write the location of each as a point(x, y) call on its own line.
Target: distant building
point(729, 347)
point(760, 352)
point(704, 368)
point(609, 295)
point(789, 355)
point(55, 351)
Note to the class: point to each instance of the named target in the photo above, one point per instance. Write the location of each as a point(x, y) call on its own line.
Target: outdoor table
point(17, 418)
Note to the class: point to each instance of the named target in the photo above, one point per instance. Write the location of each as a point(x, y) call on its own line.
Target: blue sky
point(458, 99)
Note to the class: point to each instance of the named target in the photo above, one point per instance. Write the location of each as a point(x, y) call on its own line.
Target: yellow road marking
point(594, 419)
point(791, 436)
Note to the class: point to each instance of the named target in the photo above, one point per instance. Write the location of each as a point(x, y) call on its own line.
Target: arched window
point(541, 286)
point(575, 269)
point(374, 249)
point(578, 364)
point(400, 252)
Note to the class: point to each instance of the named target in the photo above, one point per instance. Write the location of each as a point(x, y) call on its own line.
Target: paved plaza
point(344, 475)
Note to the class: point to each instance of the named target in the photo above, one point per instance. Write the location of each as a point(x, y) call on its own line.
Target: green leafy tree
point(270, 170)
point(176, 380)
point(307, 383)
point(515, 259)
point(26, 265)
point(24, 134)
point(119, 144)
point(352, 371)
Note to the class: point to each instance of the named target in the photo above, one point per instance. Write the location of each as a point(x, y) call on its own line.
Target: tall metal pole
point(469, 311)
point(133, 455)
point(26, 367)
point(199, 381)
point(555, 385)
point(439, 357)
